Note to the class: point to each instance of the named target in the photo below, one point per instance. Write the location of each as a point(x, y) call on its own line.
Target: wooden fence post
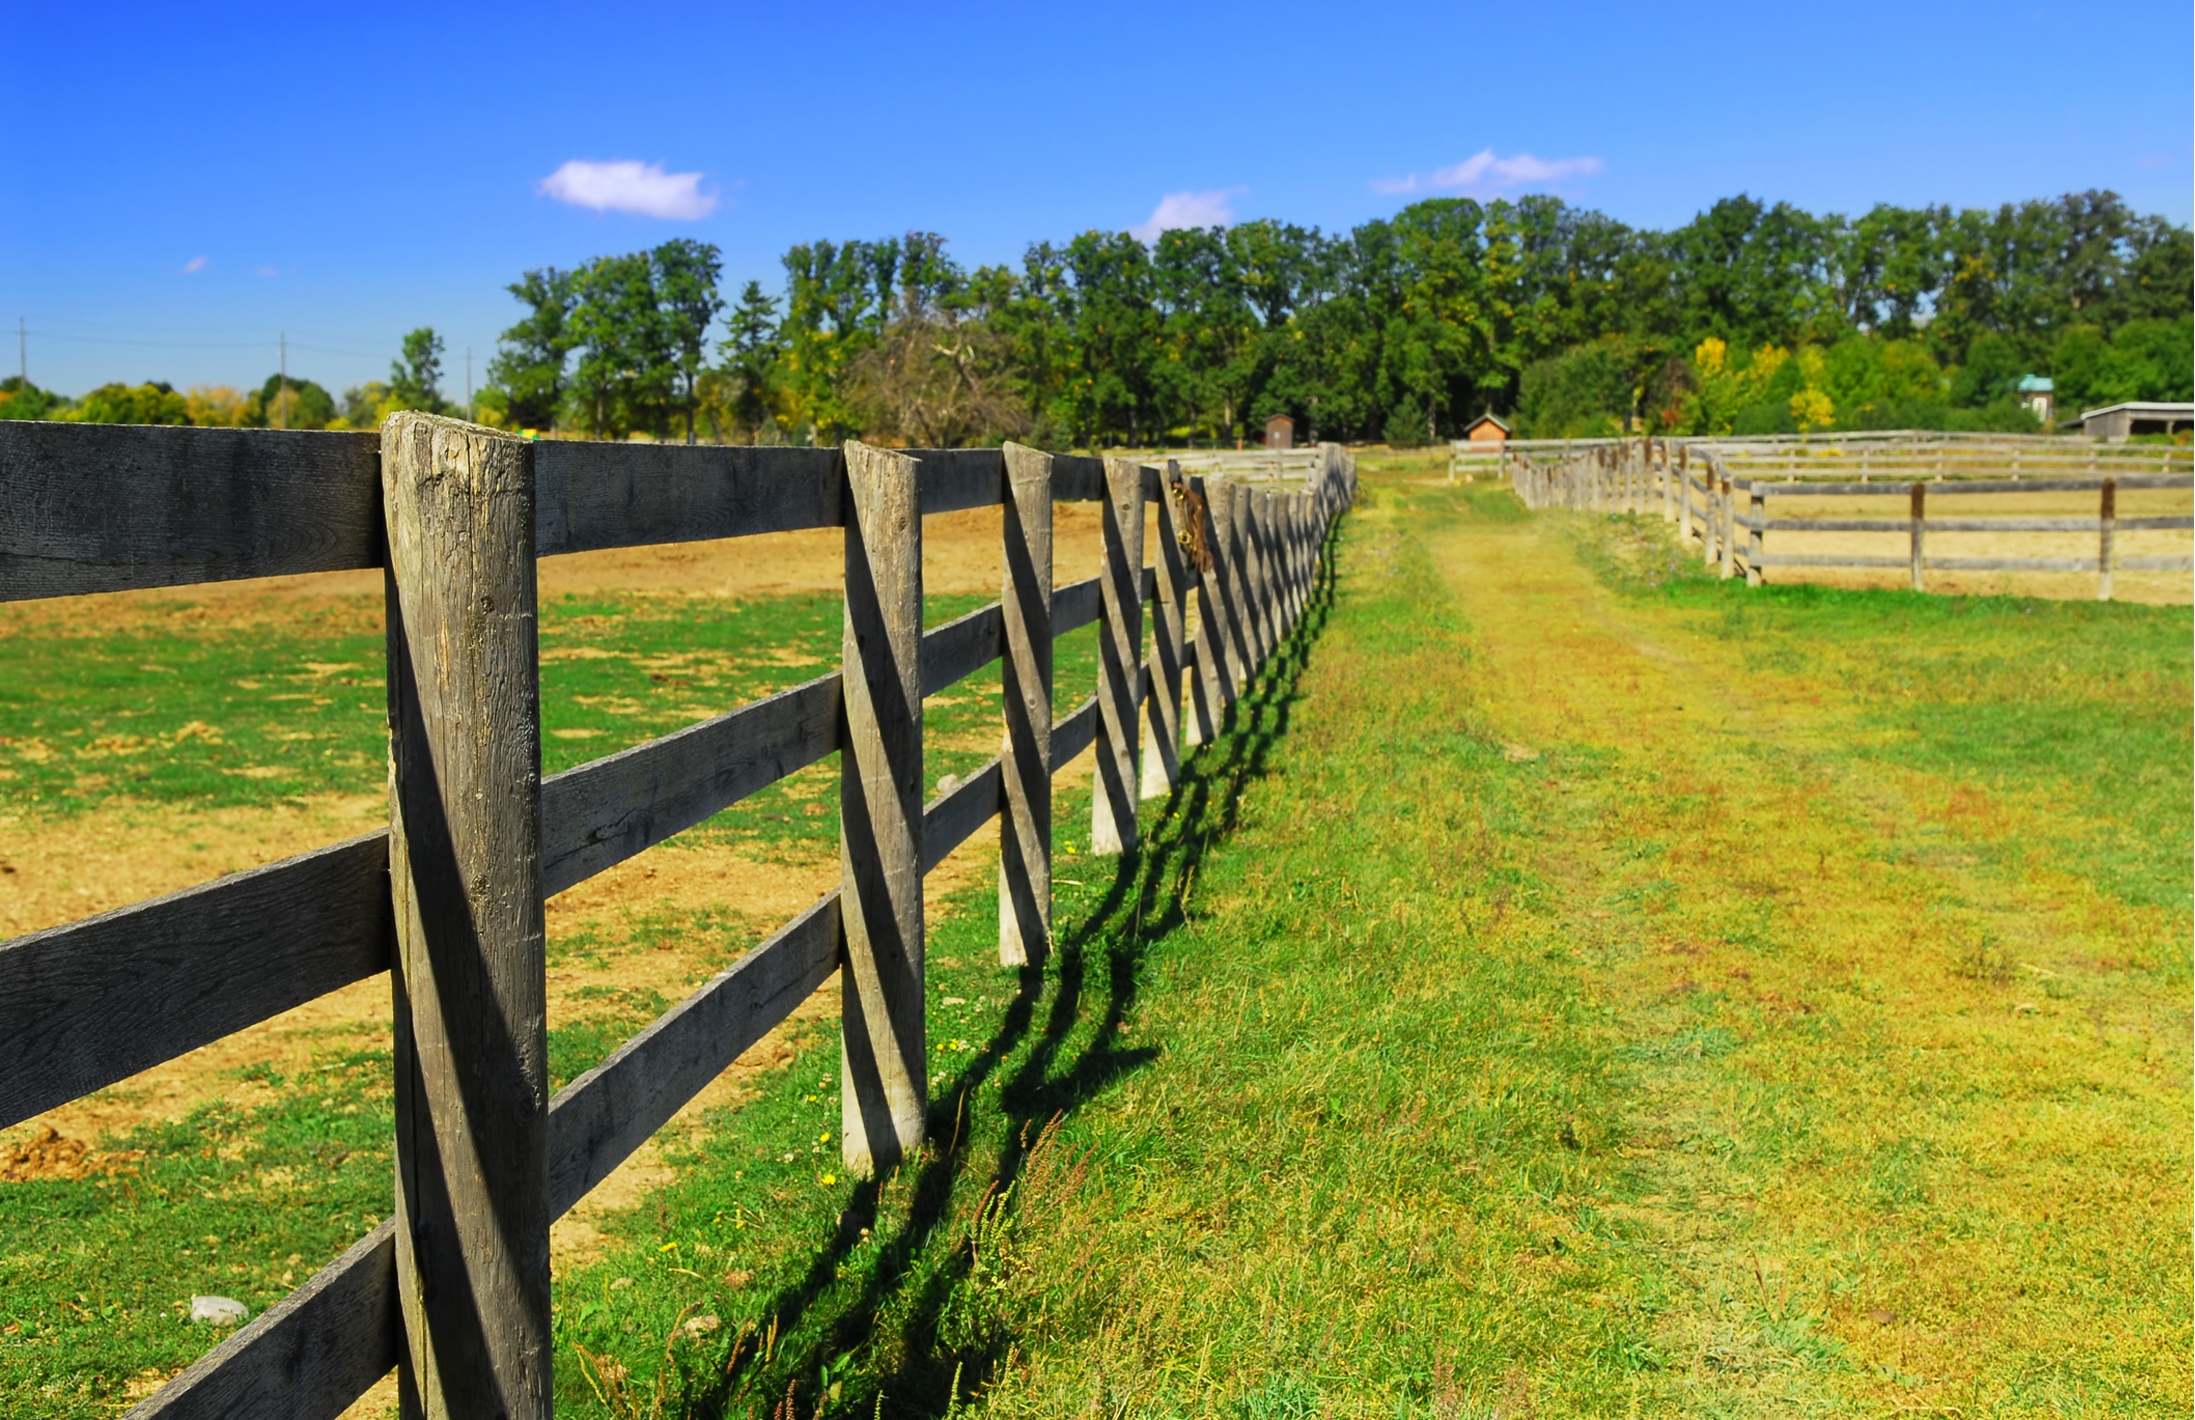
point(1758, 507)
point(1241, 560)
point(884, 1050)
point(1213, 688)
point(1025, 669)
point(1120, 661)
point(1684, 493)
point(1241, 648)
point(1298, 556)
point(1919, 512)
point(470, 979)
point(1169, 642)
point(1729, 527)
point(2107, 518)
point(1255, 531)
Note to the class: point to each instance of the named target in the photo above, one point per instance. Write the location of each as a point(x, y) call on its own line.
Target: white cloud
point(195, 265)
point(630, 186)
point(268, 271)
point(1484, 175)
point(1189, 209)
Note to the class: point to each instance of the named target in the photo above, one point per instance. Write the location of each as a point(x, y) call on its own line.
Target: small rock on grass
point(219, 1311)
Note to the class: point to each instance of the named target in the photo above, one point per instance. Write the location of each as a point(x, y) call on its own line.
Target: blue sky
point(180, 186)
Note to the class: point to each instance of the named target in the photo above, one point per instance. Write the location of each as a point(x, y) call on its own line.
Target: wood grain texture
point(952, 818)
point(1076, 605)
point(1120, 662)
point(596, 495)
point(956, 479)
point(1200, 717)
point(1025, 696)
point(1244, 654)
point(605, 811)
point(1258, 552)
point(600, 1118)
point(85, 1005)
point(884, 1048)
point(108, 507)
point(1169, 634)
point(471, 1047)
point(1217, 663)
point(1078, 478)
point(961, 647)
point(1074, 734)
point(308, 1356)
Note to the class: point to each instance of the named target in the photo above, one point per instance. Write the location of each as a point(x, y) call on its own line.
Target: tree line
point(1752, 318)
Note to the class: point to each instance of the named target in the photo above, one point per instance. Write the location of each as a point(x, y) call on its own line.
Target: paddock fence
point(1699, 484)
point(453, 1291)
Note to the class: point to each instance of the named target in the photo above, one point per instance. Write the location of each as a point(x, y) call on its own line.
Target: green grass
point(1617, 993)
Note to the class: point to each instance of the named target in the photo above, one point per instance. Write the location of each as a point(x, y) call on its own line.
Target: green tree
point(415, 378)
point(155, 402)
point(685, 285)
point(20, 399)
point(289, 403)
point(532, 356)
point(750, 360)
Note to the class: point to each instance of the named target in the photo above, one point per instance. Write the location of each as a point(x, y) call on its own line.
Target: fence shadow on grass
point(1097, 961)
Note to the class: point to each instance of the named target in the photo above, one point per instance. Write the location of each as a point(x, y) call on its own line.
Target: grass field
point(1573, 987)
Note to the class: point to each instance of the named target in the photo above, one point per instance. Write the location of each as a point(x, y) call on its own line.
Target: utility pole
point(282, 389)
point(22, 357)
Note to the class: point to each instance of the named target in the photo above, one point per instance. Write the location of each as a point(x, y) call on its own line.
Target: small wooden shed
point(1280, 432)
point(1488, 428)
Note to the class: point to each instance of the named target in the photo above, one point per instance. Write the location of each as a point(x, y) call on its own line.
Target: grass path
point(1623, 997)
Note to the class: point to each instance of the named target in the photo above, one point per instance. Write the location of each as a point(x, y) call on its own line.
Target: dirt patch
point(48, 1154)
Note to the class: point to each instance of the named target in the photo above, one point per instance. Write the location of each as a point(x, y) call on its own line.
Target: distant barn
point(1488, 428)
point(2117, 421)
point(1280, 432)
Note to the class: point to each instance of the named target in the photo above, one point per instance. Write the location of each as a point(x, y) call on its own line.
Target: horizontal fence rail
point(1699, 485)
point(89, 508)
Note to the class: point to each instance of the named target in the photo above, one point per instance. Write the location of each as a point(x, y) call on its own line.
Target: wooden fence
point(1694, 484)
point(453, 1291)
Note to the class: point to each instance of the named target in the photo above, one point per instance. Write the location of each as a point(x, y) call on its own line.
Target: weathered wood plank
point(1120, 662)
point(600, 1118)
point(109, 507)
point(1025, 696)
point(93, 1002)
point(1076, 605)
point(1215, 614)
point(596, 495)
point(951, 818)
point(471, 1062)
point(1948, 487)
point(1074, 734)
point(957, 479)
point(961, 647)
point(885, 1057)
point(1078, 478)
point(1169, 597)
point(605, 811)
point(308, 1356)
